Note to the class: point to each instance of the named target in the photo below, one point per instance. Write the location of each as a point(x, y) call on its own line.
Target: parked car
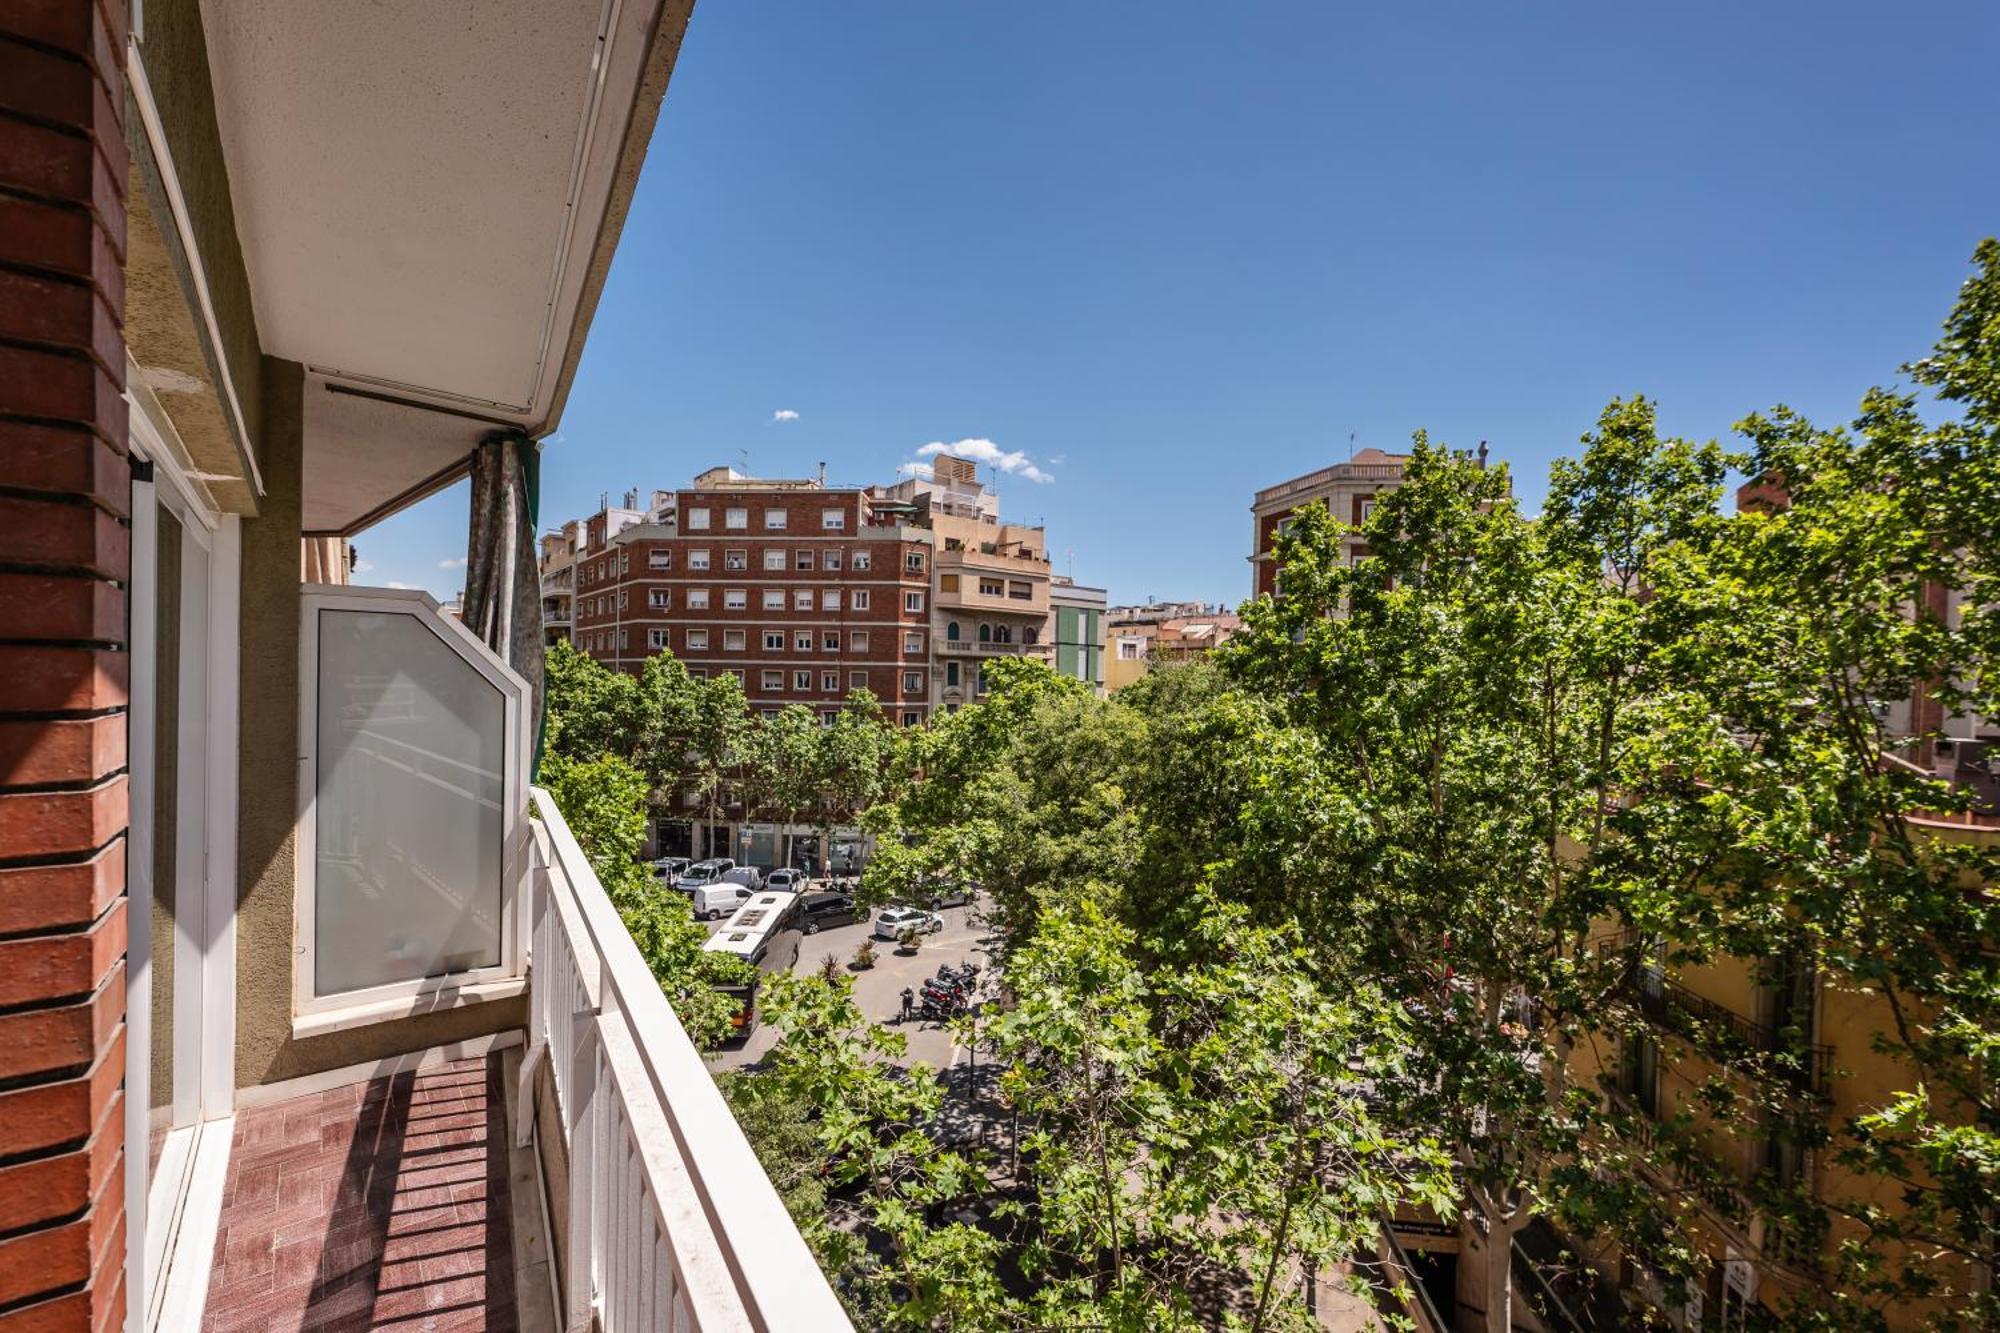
point(893, 921)
point(748, 876)
point(720, 899)
point(670, 868)
point(945, 894)
point(703, 872)
point(821, 911)
point(792, 881)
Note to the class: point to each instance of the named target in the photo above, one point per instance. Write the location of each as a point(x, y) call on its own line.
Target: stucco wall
point(174, 52)
point(267, 808)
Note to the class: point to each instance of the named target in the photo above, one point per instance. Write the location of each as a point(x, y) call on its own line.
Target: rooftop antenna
point(1350, 446)
point(744, 456)
point(822, 474)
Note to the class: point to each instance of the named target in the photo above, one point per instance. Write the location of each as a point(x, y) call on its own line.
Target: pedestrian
point(908, 1004)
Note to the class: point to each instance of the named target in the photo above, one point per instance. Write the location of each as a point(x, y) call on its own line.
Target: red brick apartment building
point(806, 592)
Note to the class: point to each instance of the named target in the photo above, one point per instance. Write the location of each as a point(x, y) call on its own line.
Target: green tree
point(604, 802)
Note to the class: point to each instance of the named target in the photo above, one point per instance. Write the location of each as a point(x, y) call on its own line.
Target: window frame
point(392, 1001)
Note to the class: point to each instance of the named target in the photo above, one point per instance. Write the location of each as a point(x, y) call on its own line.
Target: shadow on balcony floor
point(381, 1205)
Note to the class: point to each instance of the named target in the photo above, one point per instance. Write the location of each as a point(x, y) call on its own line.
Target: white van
point(720, 899)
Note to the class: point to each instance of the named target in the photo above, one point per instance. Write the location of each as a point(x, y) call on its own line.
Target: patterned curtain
point(503, 585)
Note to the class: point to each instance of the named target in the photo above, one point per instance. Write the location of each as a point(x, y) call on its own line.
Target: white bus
point(763, 932)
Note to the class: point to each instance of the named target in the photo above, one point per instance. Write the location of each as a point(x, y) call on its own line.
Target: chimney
point(1482, 453)
point(822, 474)
point(632, 498)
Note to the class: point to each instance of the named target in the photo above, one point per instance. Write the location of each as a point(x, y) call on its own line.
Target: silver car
point(895, 920)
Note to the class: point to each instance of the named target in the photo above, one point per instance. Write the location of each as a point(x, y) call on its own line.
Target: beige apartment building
point(992, 578)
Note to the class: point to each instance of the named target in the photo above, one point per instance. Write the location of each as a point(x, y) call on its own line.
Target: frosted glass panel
point(408, 822)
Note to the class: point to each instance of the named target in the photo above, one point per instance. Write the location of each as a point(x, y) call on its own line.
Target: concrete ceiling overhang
point(427, 197)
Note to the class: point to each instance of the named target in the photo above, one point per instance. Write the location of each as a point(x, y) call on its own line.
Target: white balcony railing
point(672, 1223)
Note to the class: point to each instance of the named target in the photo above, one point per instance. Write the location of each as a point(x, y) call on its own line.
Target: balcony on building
point(389, 1057)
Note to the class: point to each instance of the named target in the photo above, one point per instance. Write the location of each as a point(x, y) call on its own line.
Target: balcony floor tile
point(384, 1205)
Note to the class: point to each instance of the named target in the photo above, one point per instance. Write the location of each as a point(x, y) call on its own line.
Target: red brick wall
point(627, 568)
point(64, 560)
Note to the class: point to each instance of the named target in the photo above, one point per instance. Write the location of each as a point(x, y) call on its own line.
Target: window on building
point(696, 520)
point(699, 673)
point(911, 718)
point(1019, 591)
point(803, 640)
point(829, 599)
point(659, 559)
point(736, 520)
point(657, 598)
point(742, 677)
point(774, 559)
point(991, 588)
point(802, 599)
point(697, 599)
point(774, 641)
point(863, 561)
point(857, 680)
point(802, 681)
point(913, 561)
point(656, 639)
point(1003, 634)
point(624, 639)
point(774, 520)
point(698, 560)
point(829, 716)
point(829, 682)
point(802, 561)
point(774, 599)
point(734, 640)
point(857, 641)
point(985, 632)
point(736, 561)
point(951, 631)
point(735, 599)
point(947, 583)
point(774, 680)
point(1128, 650)
point(1367, 508)
point(951, 673)
point(913, 682)
point(913, 643)
point(830, 641)
point(624, 598)
point(697, 640)
point(828, 560)
point(833, 520)
point(858, 599)
point(690, 798)
point(1029, 635)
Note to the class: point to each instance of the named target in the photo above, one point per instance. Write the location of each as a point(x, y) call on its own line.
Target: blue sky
point(1171, 254)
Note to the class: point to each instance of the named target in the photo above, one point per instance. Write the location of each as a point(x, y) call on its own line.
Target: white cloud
point(1012, 461)
point(363, 566)
point(456, 562)
point(404, 587)
point(784, 414)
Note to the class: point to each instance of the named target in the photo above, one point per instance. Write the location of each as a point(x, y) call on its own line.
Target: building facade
point(992, 578)
point(1347, 489)
point(1138, 638)
point(557, 564)
point(1076, 629)
point(804, 592)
